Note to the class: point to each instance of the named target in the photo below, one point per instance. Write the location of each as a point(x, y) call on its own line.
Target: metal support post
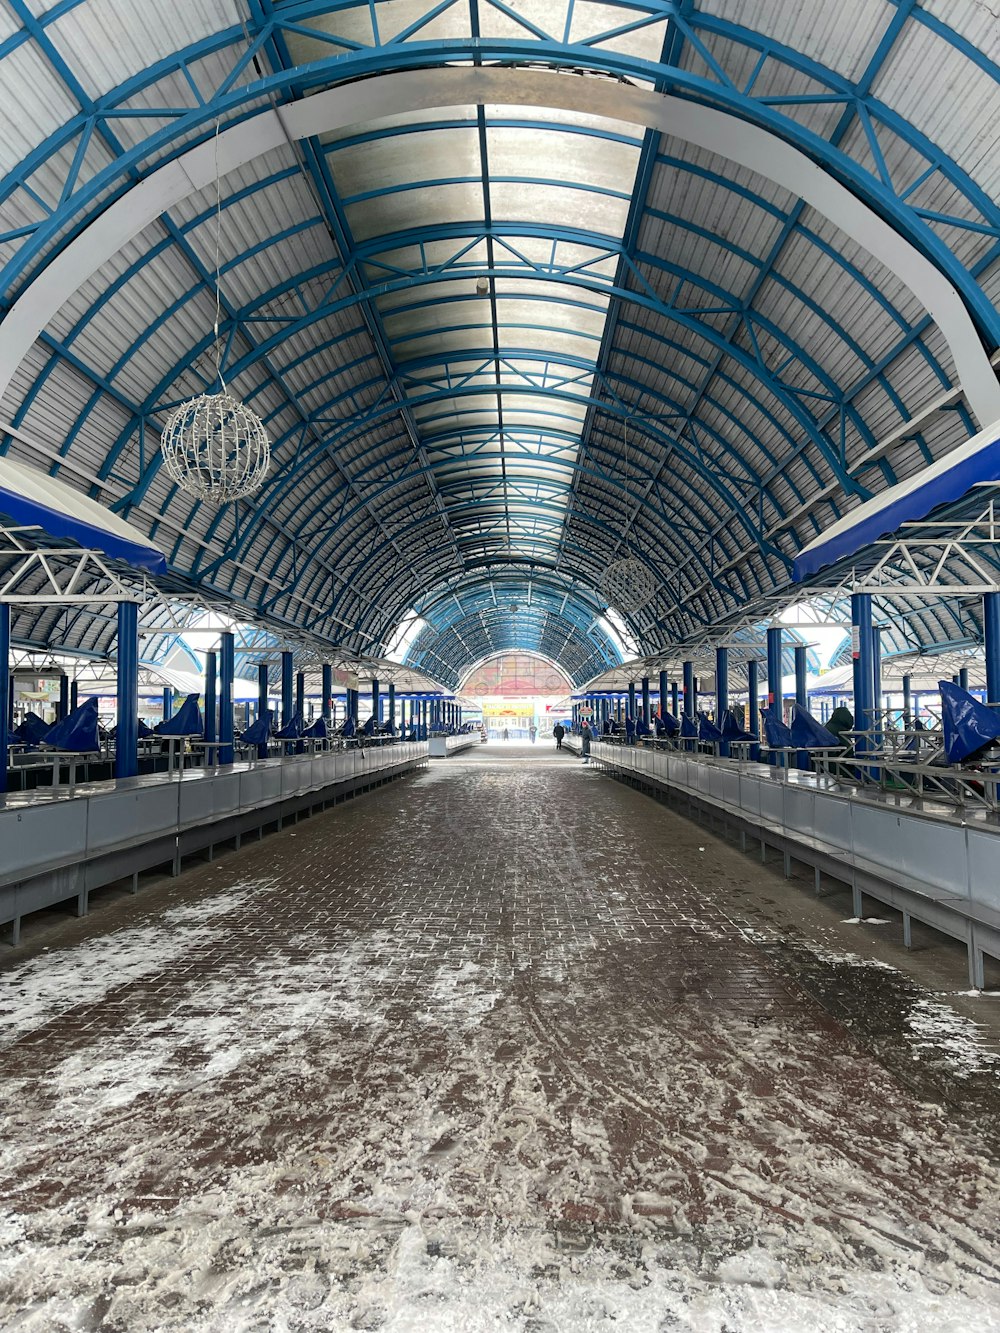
point(753, 707)
point(963, 678)
point(376, 701)
point(690, 704)
point(127, 734)
point(74, 695)
point(168, 702)
point(645, 700)
point(864, 674)
point(907, 701)
point(675, 698)
point(801, 672)
point(63, 697)
point(774, 669)
point(721, 692)
point(392, 703)
point(662, 701)
point(227, 674)
point(211, 698)
point(262, 698)
point(991, 633)
point(876, 675)
point(631, 699)
point(287, 687)
point(327, 688)
point(300, 694)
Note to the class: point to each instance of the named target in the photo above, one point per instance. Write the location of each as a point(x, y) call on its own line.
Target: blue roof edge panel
point(30, 498)
point(943, 482)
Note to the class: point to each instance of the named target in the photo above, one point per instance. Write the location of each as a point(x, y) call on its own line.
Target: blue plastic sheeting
point(776, 733)
point(671, 724)
point(78, 732)
point(945, 481)
point(32, 731)
point(708, 731)
point(259, 732)
point(29, 498)
point(143, 733)
point(292, 731)
point(318, 730)
point(689, 729)
point(731, 729)
point(809, 734)
point(187, 721)
point(350, 729)
point(968, 724)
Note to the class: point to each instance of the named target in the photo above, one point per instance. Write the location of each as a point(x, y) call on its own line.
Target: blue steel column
point(327, 688)
point(907, 701)
point(631, 699)
point(675, 699)
point(5, 679)
point(689, 697)
point(211, 699)
point(376, 700)
point(721, 692)
point(663, 694)
point(801, 671)
point(227, 674)
point(877, 674)
point(287, 688)
point(127, 734)
point(991, 633)
point(262, 694)
point(645, 700)
point(168, 702)
point(63, 696)
point(300, 694)
point(392, 703)
point(864, 675)
point(963, 678)
point(74, 695)
point(753, 706)
point(774, 669)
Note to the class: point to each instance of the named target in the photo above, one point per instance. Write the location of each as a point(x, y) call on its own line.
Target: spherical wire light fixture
point(215, 447)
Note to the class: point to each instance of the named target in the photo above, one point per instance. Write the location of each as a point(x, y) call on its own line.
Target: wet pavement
point(505, 1045)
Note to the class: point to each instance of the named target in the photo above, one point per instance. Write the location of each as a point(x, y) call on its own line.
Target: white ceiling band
point(716, 131)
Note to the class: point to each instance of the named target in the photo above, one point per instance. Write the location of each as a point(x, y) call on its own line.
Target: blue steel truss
point(714, 440)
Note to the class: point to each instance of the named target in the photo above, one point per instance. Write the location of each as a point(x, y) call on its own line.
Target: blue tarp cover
point(32, 730)
point(968, 724)
point(731, 729)
point(689, 729)
point(318, 730)
point(78, 732)
point(671, 723)
point(776, 733)
point(259, 732)
point(808, 733)
point(348, 729)
point(187, 721)
point(707, 730)
point(292, 730)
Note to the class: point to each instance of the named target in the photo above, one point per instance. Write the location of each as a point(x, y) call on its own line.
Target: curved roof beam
point(728, 133)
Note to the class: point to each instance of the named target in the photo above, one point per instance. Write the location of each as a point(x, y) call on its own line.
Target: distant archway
point(515, 675)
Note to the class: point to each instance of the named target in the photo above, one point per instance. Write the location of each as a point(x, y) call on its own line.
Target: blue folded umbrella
point(318, 730)
point(968, 724)
point(32, 731)
point(187, 721)
point(707, 730)
point(809, 734)
point(259, 732)
point(689, 728)
point(731, 729)
point(78, 732)
point(776, 733)
point(671, 723)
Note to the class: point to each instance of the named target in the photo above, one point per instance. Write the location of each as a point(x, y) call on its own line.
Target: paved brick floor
point(503, 1046)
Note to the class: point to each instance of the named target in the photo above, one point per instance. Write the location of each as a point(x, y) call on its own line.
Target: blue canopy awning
point(943, 482)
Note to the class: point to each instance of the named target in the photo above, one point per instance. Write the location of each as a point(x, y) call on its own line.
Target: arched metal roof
point(729, 250)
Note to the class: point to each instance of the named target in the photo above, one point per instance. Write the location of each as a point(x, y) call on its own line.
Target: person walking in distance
point(559, 731)
point(532, 732)
point(586, 736)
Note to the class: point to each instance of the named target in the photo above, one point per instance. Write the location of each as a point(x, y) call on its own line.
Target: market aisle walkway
point(495, 1048)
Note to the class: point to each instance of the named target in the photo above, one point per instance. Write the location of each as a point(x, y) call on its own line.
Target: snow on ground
point(299, 1146)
